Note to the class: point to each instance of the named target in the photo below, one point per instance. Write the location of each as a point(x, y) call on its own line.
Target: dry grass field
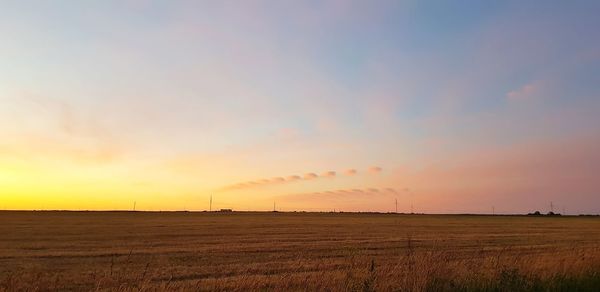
point(296, 251)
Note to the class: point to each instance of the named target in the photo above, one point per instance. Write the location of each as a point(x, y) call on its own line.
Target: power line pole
point(551, 207)
point(273, 206)
point(134, 203)
point(410, 194)
point(210, 204)
point(396, 205)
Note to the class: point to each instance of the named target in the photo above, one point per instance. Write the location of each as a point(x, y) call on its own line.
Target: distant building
point(225, 210)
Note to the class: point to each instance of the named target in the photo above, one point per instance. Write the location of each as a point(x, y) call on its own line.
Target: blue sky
point(171, 101)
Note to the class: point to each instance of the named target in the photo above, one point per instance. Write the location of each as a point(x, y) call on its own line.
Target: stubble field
point(296, 251)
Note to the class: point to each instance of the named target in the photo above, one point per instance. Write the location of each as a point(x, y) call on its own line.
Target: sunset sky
point(451, 106)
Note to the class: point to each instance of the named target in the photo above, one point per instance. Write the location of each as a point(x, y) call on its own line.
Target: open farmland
point(295, 251)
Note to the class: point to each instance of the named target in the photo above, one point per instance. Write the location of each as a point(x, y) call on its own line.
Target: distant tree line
point(538, 213)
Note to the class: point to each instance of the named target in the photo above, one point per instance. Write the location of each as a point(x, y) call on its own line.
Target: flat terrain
point(291, 251)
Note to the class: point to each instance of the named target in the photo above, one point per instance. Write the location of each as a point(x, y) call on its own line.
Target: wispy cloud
point(340, 194)
point(309, 176)
point(57, 130)
point(526, 91)
point(328, 174)
point(350, 172)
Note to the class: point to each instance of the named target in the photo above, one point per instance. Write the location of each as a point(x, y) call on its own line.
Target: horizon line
point(228, 211)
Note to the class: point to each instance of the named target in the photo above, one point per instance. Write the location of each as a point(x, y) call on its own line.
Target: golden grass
point(294, 251)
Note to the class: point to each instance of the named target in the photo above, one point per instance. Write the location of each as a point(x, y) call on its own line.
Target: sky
point(442, 106)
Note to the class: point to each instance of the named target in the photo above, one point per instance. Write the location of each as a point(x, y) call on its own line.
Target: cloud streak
point(329, 174)
point(309, 176)
point(350, 172)
point(340, 194)
point(523, 93)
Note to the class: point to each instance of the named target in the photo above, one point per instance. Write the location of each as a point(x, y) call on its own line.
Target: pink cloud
point(524, 92)
point(516, 179)
point(307, 176)
point(328, 174)
point(310, 176)
point(350, 172)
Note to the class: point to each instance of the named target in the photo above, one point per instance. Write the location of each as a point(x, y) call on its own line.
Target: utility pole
point(396, 205)
point(551, 207)
point(493, 210)
point(273, 206)
point(134, 203)
point(210, 204)
point(410, 194)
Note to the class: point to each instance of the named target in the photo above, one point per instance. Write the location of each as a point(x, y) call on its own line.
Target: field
point(296, 251)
